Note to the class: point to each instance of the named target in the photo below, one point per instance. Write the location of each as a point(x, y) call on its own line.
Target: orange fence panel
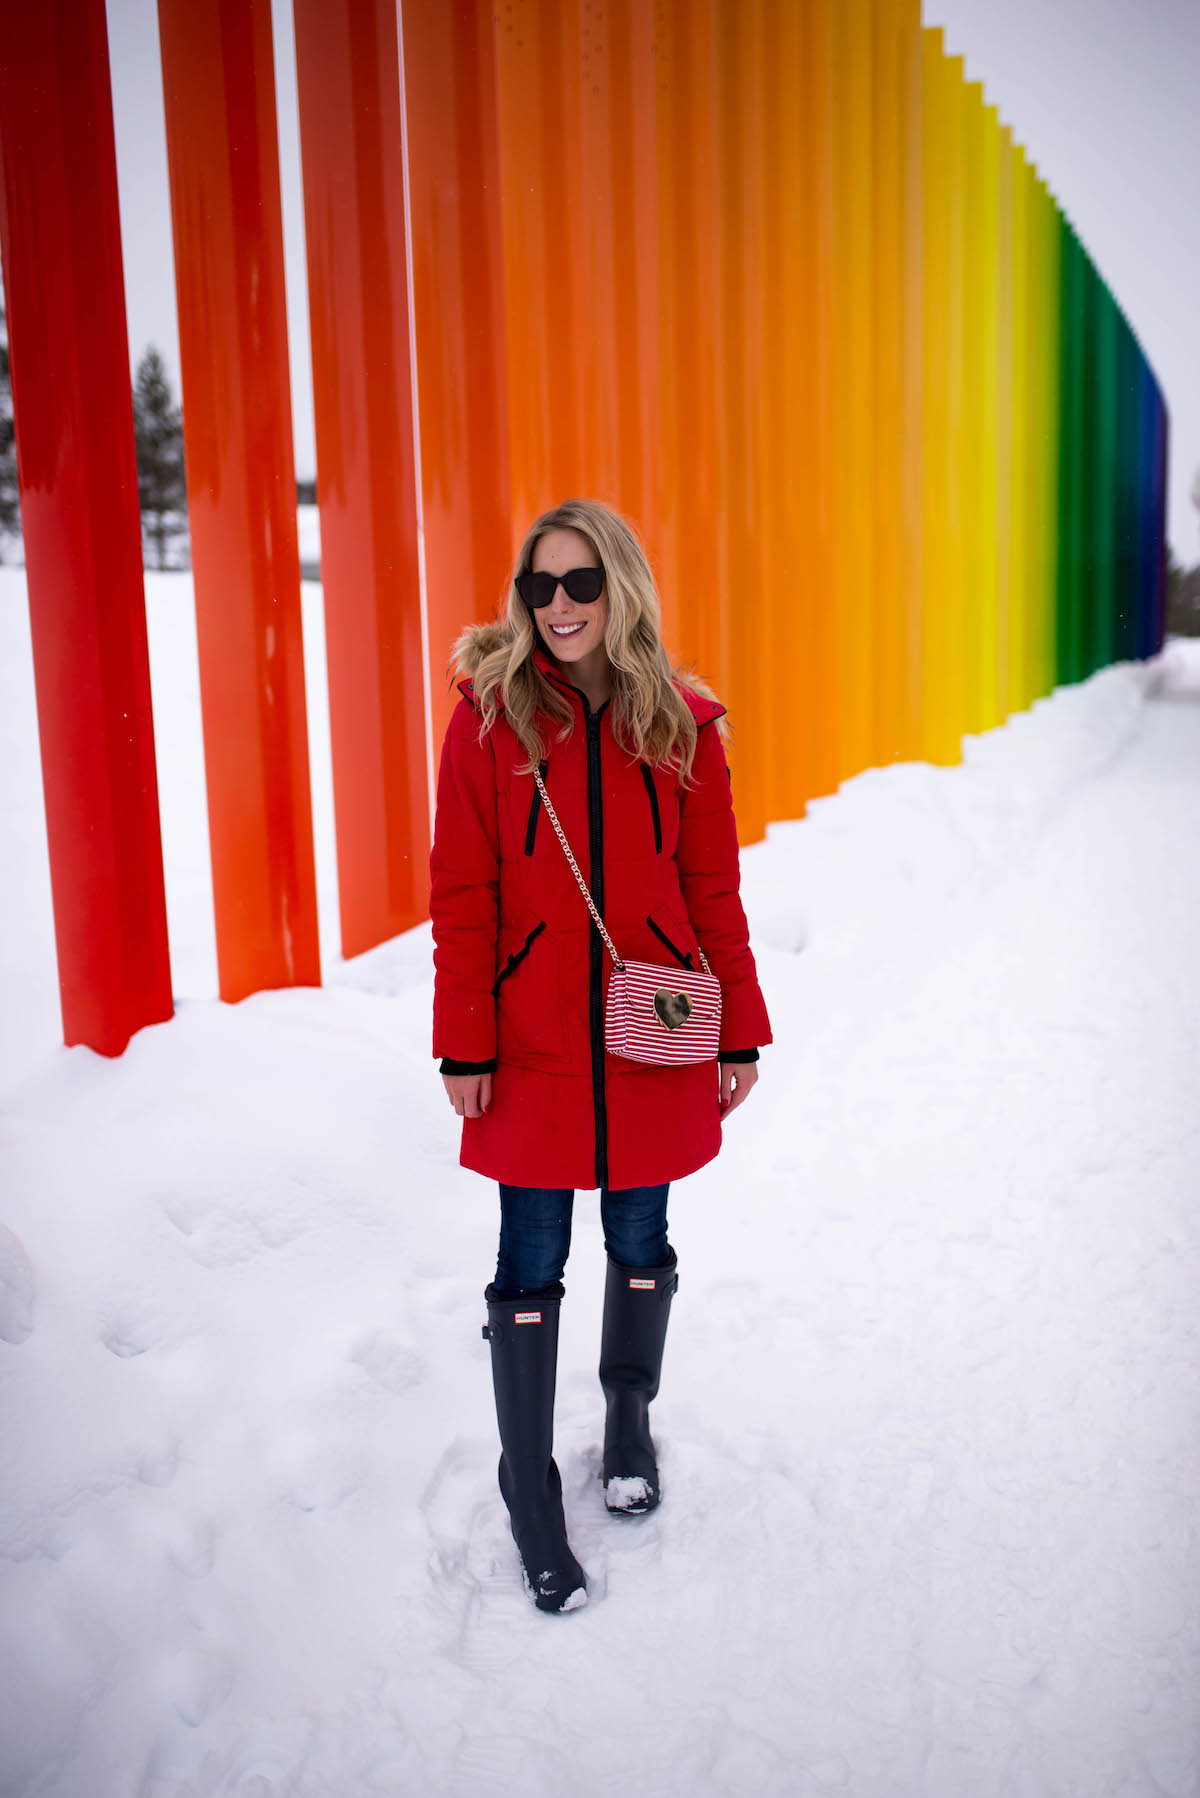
point(348, 73)
point(685, 85)
point(223, 158)
point(458, 304)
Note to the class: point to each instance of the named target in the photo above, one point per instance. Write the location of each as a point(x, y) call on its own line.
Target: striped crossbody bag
point(667, 1016)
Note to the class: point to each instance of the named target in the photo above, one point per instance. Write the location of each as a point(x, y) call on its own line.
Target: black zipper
point(518, 956)
point(535, 807)
point(652, 793)
point(679, 954)
point(596, 944)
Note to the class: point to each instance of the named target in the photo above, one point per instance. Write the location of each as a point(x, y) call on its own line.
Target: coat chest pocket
point(657, 829)
point(528, 992)
point(535, 812)
point(652, 798)
point(672, 936)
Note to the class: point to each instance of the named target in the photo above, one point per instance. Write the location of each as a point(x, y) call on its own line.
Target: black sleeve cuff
point(450, 1066)
point(738, 1055)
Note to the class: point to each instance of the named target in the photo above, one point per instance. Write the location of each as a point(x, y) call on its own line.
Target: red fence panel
point(65, 298)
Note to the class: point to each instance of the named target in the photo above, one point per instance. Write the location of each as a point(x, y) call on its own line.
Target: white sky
point(1104, 94)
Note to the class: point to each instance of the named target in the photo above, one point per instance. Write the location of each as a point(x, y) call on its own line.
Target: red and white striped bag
point(667, 1016)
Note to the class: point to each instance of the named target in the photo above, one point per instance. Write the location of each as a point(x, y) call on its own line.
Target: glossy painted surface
point(887, 322)
point(1033, 472)
point(1011, 450)
point(854, 593)
point(934, 728)
point(687, 266)
point(1156, 578)
point(1151, 502)
point(348, 73)
point(954, 703)
point(458, 304)
point(1126, 511)
point(802, 750)
point(1105, 595)
point(1047, 436)
point(978, 574)
point(898, 336)
point(1073, 406)
point(771, 278)
point(575, 128)
point(64, 295)
point(781, 618)
point(943, 434)
point(869, 414)
point(750, 650)
point(911, 521)
point(219, 90)
point(985, 644)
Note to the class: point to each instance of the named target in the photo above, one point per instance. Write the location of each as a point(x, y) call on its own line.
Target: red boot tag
point(527, 1317)
point(641, 1285)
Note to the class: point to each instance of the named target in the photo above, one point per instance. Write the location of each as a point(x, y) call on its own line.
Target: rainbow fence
point(770, 276)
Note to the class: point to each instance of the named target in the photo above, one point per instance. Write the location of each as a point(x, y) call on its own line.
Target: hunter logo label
point(527, 1317)
point(641, 1285)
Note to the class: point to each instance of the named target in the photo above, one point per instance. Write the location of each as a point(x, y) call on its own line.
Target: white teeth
point(566, 630)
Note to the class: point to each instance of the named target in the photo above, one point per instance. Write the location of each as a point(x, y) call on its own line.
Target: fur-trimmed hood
point(478, 641)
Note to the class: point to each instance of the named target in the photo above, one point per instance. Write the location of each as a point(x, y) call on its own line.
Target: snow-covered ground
point(928, 1425)
point(308, 525)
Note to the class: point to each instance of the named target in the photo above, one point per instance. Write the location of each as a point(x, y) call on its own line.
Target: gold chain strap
point(553, 817)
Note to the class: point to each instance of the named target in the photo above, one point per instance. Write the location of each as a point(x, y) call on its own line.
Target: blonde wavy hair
point(650, 719)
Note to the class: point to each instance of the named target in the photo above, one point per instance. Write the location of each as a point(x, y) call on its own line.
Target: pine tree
point(10, 511)
point(158, 439)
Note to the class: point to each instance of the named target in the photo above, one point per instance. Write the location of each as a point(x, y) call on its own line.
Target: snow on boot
point(637, 1304)
point(523, 1333)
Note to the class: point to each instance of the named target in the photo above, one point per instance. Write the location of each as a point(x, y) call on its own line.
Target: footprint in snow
point(781, 925)
point(247, 1770)
point(459, 1489)
point(16, 1289)
point(127, 1333)
point(193, 1550)
point(489, 1761)
point(227, 1234)
point(747, 1763)
point(196, 1681)
point(474, 1567)
point(734, 1308)
point(388, 1362)
point(158, 1466)
point(323, 1486)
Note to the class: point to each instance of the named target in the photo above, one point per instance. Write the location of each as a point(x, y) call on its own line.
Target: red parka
point(521, 972)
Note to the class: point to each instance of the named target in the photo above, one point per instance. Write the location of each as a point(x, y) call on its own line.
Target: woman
point(574, 682)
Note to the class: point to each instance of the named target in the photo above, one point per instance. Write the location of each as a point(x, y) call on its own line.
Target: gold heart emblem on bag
point(673, 1009)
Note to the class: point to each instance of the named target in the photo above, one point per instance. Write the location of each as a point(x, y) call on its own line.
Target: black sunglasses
point(583, 585)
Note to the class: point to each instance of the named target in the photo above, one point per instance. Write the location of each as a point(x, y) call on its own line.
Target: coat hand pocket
point(528, 992)
point(679, 941)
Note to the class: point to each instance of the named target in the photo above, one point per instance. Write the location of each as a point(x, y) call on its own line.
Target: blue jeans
point(535, 1232)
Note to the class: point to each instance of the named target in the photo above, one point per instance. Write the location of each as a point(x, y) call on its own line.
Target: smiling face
point(571, 633)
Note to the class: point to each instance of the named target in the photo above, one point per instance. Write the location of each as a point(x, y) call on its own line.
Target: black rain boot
point(523, 1333)
point(637, 1304)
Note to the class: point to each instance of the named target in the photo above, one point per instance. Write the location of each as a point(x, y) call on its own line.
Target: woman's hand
point(470, 1094)
point(737, 1077)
